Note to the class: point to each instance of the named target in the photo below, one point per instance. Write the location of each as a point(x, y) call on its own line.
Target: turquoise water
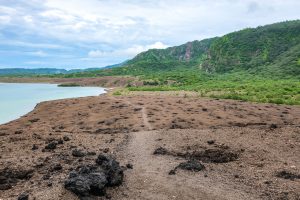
point(17, 99)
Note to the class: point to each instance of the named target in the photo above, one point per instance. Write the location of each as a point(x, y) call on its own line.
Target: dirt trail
point(149, 178)
point(145, 119)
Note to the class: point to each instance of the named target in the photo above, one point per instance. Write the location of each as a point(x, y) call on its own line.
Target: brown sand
point(265, 137)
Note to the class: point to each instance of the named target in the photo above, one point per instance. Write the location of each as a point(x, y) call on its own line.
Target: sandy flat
point(264, 137)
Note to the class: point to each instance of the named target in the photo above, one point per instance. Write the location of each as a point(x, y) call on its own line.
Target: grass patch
point(238, 87)
point(69, 85)
point(117, 93)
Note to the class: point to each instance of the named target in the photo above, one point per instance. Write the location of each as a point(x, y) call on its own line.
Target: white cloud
point(96, 54)
point(57, 15)
point(7, 10)
point(129, 52)
point(31, 44)
point(38, 53)
point(28, 19)
point(131, 22)
point(157, 45)
point(121, 29)
point(4, 19)
point(134, 50)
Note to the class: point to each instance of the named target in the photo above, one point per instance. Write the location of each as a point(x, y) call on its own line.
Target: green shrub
point(69, 85)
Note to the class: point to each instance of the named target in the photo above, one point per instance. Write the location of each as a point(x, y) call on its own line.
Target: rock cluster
point(92, 180)
point(10, 177)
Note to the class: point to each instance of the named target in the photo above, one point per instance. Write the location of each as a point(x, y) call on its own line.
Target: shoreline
point(105, 90)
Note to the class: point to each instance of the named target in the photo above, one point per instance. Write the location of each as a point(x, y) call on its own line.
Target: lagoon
point(17, 99)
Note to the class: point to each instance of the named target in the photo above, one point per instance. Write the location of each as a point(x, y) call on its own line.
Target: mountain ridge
point(239, 50)
point(51, 71)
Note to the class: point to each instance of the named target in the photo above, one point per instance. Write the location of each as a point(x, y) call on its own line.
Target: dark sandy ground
point(249, 150)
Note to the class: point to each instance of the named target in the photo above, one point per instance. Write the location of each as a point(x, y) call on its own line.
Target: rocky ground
point(171, 147)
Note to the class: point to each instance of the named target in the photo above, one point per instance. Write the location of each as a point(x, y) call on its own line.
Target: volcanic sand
point(265, 138)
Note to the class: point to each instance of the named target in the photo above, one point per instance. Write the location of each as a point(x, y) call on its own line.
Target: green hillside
point(190, 52)
point(255, 47)
point(272, 48)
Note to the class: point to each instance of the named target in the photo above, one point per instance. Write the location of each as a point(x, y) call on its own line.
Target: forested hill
point(189, 52)
point(275, 47)
point(252, 47)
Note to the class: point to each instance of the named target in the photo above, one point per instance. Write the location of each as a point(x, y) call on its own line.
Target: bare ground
point(264, 137)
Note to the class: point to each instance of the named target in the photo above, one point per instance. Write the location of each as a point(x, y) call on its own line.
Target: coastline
point(131, 127)
point(26, 107)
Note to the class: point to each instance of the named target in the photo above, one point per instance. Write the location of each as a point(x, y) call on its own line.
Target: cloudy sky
point(96, 33)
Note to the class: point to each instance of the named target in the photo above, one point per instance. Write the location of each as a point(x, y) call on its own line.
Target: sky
point(95, 33)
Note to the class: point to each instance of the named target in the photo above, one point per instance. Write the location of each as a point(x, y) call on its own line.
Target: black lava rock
point(172, 172)
point(112, 169)
point(88, 181)
point(34, 147)
point(91, 153)
point(78, 153)
point(214, 155)
point(23, 196)
point(57, 167)
point(46, 177)
point(192, 165)
point(66, 138)
point(160, 151)
point(52, 145)
point(129, 166)
point(273, 126)
point(106, 150)
point(210, 142)
point(18, 132)
point(10, 177)
point(34, 120)
point(94, 179)
point(60, 141)
point(287, 175)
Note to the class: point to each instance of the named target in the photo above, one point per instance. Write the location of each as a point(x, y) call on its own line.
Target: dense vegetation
point(190, 52)
point(250, 48)
point(255, 64)
point(239, 86)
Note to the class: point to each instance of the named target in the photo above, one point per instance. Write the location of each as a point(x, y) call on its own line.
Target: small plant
point(69, 85)
point(117, 93)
